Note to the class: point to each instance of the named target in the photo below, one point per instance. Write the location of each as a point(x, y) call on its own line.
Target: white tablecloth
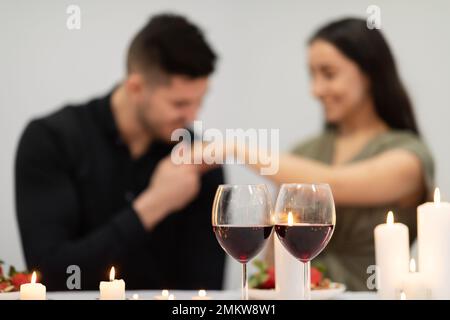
point(179, 295)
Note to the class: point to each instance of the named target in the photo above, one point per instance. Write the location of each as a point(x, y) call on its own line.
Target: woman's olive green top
point(351, 249)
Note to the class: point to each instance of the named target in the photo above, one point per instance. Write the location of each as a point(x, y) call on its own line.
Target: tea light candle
point(433, 233)
point(402, 296)
point(413, 284)
point(112, 289)
point(164, 295)
point(33, 290)
point(391, 256)
point(201, 296)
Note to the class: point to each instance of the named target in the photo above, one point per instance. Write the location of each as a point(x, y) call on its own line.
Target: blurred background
point(261, 81)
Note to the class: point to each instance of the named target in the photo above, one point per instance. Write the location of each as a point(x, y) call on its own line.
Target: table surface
point(179, 295)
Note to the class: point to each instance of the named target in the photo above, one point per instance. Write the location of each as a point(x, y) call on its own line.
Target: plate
point(316, 294)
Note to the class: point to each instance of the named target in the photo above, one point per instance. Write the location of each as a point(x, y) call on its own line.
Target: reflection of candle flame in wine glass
point(390, 218)
point(290, 219)
point(33, 277)
point(112, 274)
point(437, 196)
point(201, 293)
point(165, 293)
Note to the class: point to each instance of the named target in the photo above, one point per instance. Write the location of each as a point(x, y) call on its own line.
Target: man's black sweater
point(75, 183)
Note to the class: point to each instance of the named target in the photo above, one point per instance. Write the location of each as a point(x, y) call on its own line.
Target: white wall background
point(261, 82)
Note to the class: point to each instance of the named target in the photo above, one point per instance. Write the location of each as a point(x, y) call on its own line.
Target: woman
point(370, 151)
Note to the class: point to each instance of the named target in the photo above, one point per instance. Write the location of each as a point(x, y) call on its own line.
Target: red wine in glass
point(242, 242)
point(304, 241)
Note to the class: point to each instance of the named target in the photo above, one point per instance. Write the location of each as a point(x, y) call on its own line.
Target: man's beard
point(152, 129)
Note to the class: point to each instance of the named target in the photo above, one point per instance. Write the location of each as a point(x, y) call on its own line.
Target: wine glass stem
point(244, 282)
point(307, 280)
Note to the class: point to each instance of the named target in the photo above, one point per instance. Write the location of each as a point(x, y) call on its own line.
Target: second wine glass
point(305, 217)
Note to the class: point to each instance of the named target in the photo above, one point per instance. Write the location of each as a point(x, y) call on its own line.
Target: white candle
point(391, 256)
point(414, 286)
point(33, 290)
point(201, 296)
point(288, 271)
point(164, 295)
point(112, 289)
point(433, 230)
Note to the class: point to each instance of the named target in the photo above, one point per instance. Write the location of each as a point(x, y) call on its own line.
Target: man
point(95, 185)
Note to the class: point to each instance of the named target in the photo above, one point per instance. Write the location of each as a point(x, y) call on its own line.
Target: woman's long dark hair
point(370, 51)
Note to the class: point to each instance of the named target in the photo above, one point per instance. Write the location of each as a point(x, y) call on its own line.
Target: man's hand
point(170, 189)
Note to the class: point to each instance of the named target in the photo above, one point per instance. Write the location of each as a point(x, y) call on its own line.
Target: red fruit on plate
point(4, 285)
point(270, 281)
point(316, 276)
point(19, 279)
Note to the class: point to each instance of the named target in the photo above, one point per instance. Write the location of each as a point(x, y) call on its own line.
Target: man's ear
point(134, 83)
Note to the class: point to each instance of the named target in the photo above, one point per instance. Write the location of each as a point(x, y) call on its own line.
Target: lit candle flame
point(290, 219)
point(33, 277)
point(403, 296)
point(135, 296)
point(112, 274)
point(171, 297)
point(272, 219)
point(390, 218)
point(437, 196)
point(165, 293)
point(412, 265)
point(201, 293)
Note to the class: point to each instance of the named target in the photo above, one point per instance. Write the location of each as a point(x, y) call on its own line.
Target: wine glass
point(304, 218)
point(241, 219)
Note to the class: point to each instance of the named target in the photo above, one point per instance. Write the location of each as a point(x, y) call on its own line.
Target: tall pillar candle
point(391, 256)
point(433, 226)
point(288, 273)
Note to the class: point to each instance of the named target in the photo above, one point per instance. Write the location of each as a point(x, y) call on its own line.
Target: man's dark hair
point(170, 44)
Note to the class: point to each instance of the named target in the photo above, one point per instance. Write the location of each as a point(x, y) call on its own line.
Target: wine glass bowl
point(308, 203)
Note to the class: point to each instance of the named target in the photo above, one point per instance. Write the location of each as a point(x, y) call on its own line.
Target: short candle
point(33, 290)
point(112, 289)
